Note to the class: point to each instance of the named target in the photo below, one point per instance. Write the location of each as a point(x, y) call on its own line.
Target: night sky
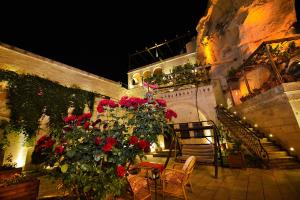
point(97, 37)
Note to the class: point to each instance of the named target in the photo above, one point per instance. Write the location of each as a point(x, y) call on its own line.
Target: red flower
point(104, 102)
point(111, 141)
point(59, 149)
point(49, 144)
point(70, 119)
point(98, 140)
point(133, 140)
point(107, 147)
point(147, 149)
point(42, 139)
point(87, 115)
point(100, 109)
point(112, 104)
point(170, 113)
point(86, 125)
point(161, 102)
point(121, 171)
point(143, 144)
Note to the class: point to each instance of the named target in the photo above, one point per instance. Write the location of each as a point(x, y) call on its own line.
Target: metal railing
point(216, 142)
point(247, 136)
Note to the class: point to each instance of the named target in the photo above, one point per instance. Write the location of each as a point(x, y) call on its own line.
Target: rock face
point(233, 29)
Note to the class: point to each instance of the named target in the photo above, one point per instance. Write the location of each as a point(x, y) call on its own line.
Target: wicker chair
point(175, 180)
point(139, 187)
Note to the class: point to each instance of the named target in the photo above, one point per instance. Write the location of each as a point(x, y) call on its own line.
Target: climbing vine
point(31, 96)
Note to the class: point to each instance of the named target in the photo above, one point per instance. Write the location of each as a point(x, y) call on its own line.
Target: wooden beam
point(275, 70)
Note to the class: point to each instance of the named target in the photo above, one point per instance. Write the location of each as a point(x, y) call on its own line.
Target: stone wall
point(21, 61)
point(183, 102)
point(18, 60)
point(232, 30)
point(276, 112)
point(164, 66)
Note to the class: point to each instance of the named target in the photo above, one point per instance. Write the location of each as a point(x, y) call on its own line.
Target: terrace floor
point(236, 184)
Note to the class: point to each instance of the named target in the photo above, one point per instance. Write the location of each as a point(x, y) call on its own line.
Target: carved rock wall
point(233, 29)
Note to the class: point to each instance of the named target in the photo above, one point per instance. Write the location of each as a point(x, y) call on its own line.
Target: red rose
point(112, 104)
point(87, 115)
point(59, 149)
point(107, 147)
point(143, 144)
point(133, 140)
point(49, 144)
point(170, 113)
point(80, 119)
point(100, 109)
point(121, 171)
point(161, 102)
point(98, 140)
point(111, 141)
point(70, 119)
point(86, 125)
point(104, 102)
point(147, 149)
point(42, 140)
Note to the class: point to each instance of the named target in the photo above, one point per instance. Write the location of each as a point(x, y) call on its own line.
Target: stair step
point(199, 159)
point(197, 146)
point(277, 153)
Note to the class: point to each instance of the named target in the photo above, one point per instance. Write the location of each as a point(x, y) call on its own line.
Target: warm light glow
point(236, 93)
point(234, 112)
point(207, 50)
point(270, 135)
point(16, 149)
point(255, 125)
point(292, 149)
point(153, 147)
point(244, 118)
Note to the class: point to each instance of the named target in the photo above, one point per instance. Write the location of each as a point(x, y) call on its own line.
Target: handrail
point(248, 136)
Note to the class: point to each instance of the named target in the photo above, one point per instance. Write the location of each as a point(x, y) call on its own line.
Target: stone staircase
point(277, 157)
point(204, 153)
point(195, 140)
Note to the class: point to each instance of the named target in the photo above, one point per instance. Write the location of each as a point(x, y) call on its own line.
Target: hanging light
point(156, 53)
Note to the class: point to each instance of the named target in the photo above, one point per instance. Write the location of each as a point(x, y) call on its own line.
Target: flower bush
point(92, 157)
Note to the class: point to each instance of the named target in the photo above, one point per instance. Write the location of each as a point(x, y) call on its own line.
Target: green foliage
point(4, 127)
point(30, 96)
point(87, 158)
point(181, 75)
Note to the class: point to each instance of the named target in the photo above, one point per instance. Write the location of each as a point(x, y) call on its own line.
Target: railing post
point(215, 150)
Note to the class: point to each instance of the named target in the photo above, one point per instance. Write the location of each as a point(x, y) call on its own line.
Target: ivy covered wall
point(30, 96)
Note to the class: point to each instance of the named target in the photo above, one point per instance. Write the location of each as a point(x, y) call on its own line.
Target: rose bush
point(92, 157)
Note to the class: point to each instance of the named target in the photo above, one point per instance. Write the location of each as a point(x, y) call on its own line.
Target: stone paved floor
point(235, 184)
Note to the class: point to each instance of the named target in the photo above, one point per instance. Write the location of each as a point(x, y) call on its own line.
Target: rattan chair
point(139, 187)
point(175, 180)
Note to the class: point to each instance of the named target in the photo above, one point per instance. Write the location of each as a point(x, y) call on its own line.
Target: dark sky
point(97, 37)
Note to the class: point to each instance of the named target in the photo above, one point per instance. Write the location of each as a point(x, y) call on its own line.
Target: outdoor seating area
point(233, 183)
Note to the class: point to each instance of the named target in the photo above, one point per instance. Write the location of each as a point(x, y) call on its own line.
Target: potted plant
point(91, 158)
point(9, 168)
point(235, 156)
point(19, 187)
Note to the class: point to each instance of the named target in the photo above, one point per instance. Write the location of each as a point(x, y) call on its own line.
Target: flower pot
point(236, 160)
point(7, 173)
point(27, 190)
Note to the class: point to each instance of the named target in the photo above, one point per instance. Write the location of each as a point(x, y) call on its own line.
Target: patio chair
point(139, 187)
point(175, 180)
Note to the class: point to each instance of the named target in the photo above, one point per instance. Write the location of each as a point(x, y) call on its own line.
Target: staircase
point(204, 153)
point(271, 154)
point(193, 142)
